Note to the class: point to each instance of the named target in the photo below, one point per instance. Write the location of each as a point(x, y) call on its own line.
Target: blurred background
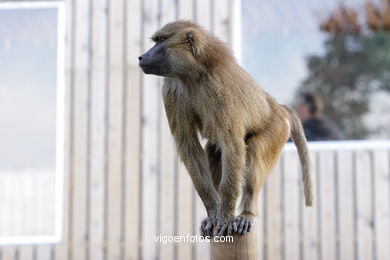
point(88, 169)
point(336, 50)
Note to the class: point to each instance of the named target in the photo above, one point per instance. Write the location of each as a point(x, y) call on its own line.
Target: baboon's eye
point(161, 39)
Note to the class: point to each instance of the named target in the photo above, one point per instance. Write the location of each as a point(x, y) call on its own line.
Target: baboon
point(205, 91)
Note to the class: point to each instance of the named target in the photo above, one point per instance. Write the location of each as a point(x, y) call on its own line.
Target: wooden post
point(243, 247)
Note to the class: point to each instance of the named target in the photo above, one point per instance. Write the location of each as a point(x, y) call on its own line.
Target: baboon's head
point(182, 48)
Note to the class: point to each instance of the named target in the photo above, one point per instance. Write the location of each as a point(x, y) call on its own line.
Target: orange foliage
point(377, 17)
point(342, 20)
point(345, 20)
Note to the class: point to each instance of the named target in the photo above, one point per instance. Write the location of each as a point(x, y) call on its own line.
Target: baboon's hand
point(245, 223)
point(226, 226)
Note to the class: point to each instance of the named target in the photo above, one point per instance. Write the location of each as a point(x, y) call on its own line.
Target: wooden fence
point(124, 184)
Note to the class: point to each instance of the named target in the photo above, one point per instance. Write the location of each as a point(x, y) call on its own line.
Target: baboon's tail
point(298, 136)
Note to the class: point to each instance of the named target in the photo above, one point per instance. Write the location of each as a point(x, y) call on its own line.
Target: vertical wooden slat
point(80, 132)
point(43, 203)
point(291, 200)
point(235, 28)
point(31, 207)
point(7, 200)
point(44, 252)
point(221, 20)
point(283, 205)
point(364, 205)
point(167, 199)
point(26, 252)
point(184, 180)
point(151, 94)
point(12, 214)
point(159, 144)
point(9, 253)
point(133, 134)
point(167, 161)
point(62, 249)
point(381, 200)
point(203, 17)
point(202, 250)
point(185, 9)
point(115, 127)
point(345, 202)
point(260, 224)
point(184, 212)
point(98, 130)
point(327, 204)
point(203, 13)
point(4, 201)
point(310, 222)
point(274, 214)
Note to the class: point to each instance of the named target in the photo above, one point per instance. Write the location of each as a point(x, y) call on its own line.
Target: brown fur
point(207, 92)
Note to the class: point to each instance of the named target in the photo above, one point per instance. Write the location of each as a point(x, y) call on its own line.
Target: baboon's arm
point(195, 160)
point(183, 129)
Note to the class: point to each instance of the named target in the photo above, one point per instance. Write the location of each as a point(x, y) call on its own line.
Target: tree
point(356, 64)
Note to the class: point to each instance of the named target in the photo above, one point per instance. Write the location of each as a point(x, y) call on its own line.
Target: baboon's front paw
point(207, 226)
point(245, 222)
point(225, 227)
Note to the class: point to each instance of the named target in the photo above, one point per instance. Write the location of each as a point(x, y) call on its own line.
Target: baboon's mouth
point(147, 69)
point(146, 66)
point(154, 69)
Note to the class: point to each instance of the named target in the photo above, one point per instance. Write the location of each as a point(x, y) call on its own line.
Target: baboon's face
point(155, 61)
point(173, 54)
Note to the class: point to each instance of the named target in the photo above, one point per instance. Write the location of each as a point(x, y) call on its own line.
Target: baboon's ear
point(191, 41)
point(195, 41)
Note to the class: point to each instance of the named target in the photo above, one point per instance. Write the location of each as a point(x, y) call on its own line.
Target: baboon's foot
point(245, 222)
point(225, 227)
point(207, 225)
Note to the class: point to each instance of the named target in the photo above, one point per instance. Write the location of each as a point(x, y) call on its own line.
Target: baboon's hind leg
point(260, 159)
point(253, 180)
